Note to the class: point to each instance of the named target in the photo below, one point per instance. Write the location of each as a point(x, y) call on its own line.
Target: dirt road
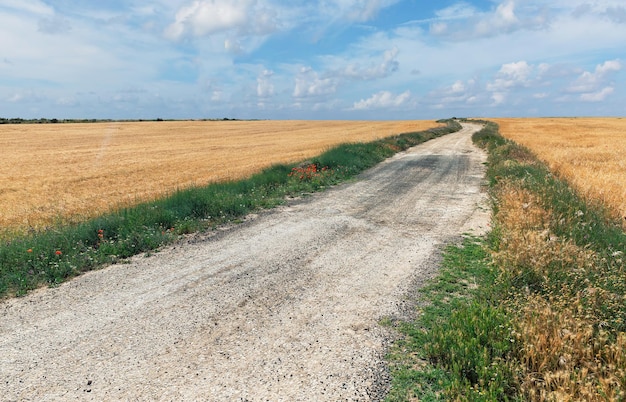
point(282, 307)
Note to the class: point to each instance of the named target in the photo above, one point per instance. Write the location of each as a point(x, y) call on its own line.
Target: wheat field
point(55, 173)
point(590, 153)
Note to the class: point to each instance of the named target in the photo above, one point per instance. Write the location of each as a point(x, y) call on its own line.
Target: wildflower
point(58, 252)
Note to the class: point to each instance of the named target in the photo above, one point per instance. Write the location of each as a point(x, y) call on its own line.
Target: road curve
point(282, 307)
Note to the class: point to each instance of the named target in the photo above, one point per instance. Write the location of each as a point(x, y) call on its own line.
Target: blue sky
point(325, 59)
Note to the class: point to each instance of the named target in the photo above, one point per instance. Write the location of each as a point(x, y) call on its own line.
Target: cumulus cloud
point(383, 100)
point(459, 92)
point(524, 83)
point(597, 96)
point(511, 75)
point(591, 82)
point(341, 73)
point(498, 98)
point(208, 17)
point(503, 19)
point(309, 83)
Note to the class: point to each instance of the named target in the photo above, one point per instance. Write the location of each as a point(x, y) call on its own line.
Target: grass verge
point(460, 345)
point(64, 251)
point(547, 318)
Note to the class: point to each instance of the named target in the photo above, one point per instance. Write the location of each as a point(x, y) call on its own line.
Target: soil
point(284, 306)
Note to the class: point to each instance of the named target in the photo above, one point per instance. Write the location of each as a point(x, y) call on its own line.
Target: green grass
point(461, 342)
point(64, 251)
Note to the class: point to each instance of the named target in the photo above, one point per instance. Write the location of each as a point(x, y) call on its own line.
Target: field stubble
point(71, 172)
point(587, 152)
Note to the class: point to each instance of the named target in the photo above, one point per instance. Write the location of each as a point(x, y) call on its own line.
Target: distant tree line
point(48, 121)
point(54, 121)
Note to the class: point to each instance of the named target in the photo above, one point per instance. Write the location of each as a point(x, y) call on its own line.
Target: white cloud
point(518, 71)
point(458, 87)
point(309, 83)
point(502, 20)
point(511, 75)
point(459, 92)
point(598, 96)
point(208, 17)
point(383, 100)
point(609, 66)
point(590, 82)
point(505, 14)
point(498, 98)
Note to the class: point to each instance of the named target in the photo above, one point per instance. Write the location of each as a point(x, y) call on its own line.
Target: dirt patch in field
point(282, 307)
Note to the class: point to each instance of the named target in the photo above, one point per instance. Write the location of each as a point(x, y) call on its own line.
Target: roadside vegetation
point(51, 256)
point(535, 311)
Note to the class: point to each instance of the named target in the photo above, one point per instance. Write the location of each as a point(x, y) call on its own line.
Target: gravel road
point(283, 307)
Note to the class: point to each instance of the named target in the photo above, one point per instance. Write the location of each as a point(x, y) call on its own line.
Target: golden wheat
point(563, 357)
point(587, 152)
point(74, 171)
